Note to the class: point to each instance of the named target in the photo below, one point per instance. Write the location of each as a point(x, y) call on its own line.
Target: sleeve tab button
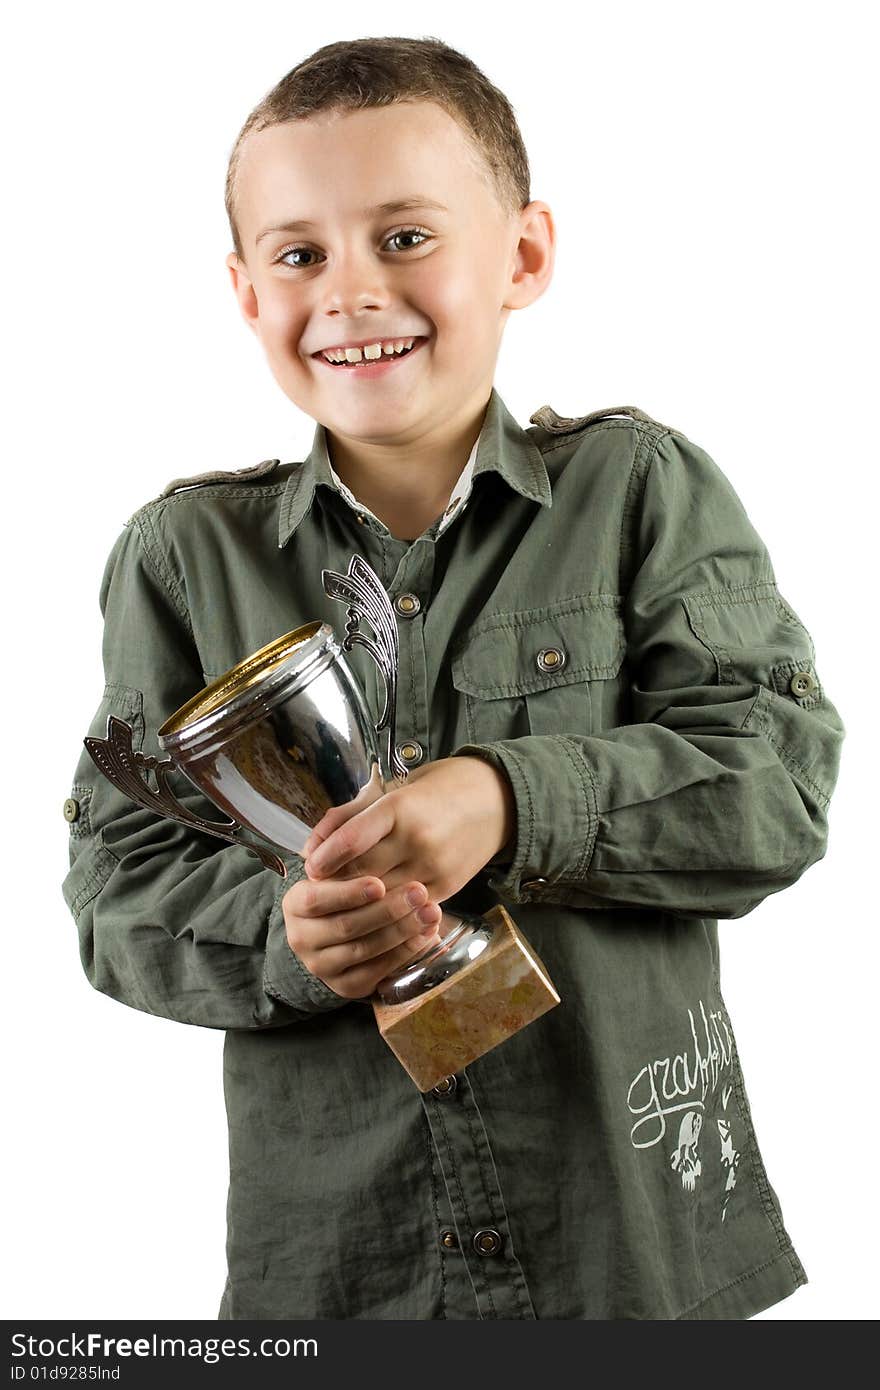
point(802, 683)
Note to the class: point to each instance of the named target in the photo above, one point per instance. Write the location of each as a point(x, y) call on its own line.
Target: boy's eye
point(282, 256)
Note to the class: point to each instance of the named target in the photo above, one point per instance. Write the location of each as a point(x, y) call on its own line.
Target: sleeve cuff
point(556, 814)
point(285, 977)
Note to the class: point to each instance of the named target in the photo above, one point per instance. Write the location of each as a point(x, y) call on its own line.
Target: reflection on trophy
point(278, 740)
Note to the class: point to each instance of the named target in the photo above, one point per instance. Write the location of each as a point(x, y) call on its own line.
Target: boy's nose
point(354, 284)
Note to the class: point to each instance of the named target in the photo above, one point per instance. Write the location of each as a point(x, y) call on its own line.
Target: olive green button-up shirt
point(672, 764)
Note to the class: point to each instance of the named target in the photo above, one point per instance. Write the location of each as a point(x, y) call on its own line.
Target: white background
point(710, 169)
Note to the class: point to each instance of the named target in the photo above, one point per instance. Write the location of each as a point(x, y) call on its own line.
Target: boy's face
point(348, 279)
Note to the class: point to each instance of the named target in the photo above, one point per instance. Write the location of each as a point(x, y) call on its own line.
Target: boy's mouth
point(375, 365)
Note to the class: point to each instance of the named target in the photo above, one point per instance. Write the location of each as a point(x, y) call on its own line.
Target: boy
point(615, 727)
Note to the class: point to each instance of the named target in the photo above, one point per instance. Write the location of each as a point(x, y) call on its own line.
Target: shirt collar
point(457, 497)
point(502, 445)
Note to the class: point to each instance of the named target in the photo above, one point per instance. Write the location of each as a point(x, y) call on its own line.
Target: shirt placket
point(409, 592)
point(483, 1239)
point(456, 1290)
point(478, 1248)
point(479, 1266)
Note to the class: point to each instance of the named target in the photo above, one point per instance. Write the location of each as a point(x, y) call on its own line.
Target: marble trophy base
point(490, 999)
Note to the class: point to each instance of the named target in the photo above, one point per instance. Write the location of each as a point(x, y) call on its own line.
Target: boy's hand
point(351, 933)
point(439, 827)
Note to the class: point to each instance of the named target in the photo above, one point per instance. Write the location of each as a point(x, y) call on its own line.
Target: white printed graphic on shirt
point(685, 1159)
point(729, 1160)
point(680, 1085)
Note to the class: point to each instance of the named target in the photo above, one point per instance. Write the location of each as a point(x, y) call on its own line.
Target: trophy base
point(488, 1000)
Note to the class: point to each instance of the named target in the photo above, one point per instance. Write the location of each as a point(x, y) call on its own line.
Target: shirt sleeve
point(717, 795)
point(171, 920)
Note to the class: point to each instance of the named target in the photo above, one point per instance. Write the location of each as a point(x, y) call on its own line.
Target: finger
point(318, 915)
point(361, 981)
point(359, 834)
point(338, 815)
point(405, 955)
point(315, 838)
point(380, 861)
point(353, 938)
point(316, 899)
point(330, 821)
point(368, 951)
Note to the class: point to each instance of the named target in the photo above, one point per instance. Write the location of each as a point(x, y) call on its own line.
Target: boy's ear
point(534, 255)
point(243, 289)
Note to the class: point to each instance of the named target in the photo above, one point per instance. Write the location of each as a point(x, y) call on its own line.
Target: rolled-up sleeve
point(717, 794)
point(171, 921)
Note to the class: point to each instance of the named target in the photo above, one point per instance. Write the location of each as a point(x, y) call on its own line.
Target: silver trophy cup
point(276, 742)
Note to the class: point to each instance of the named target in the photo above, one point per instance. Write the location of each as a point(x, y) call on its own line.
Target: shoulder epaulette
point(547, 418)
point(220, 475)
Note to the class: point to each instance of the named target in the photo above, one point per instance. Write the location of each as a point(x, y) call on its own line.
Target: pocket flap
point(751, 618)
point(499, 655)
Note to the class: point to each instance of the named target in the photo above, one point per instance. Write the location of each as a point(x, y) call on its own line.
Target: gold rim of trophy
point(238, 681)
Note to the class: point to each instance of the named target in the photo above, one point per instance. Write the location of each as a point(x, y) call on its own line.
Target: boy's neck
point(408, 486)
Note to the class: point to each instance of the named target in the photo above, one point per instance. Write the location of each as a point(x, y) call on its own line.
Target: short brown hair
point(353, 74)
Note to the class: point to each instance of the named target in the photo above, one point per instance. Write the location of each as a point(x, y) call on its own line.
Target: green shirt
point(675, 768)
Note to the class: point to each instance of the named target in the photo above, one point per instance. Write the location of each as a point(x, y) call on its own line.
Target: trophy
point(278, 740)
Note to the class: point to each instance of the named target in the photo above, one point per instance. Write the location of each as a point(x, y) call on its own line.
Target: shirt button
point(487, 1242)
point(801, 683)
point(411, 752)
point(449, 1240)
point(534, 883)
point(360, 517)
point(550, 659)
point(447, 1087)
point(71, 809)
point(452, 506)
point(408, 605)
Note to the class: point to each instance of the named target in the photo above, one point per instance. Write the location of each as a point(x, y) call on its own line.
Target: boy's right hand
point(353, 932)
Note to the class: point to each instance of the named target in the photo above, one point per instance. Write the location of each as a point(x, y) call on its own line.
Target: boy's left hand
point(440, 827)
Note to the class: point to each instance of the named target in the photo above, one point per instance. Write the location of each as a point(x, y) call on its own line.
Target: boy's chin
point(374, 398)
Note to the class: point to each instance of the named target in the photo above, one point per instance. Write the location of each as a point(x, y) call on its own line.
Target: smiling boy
point(613, 723)
point(409, 240)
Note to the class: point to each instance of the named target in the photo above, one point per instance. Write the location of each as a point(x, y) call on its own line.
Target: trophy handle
point(128, 770)
point(362, 592)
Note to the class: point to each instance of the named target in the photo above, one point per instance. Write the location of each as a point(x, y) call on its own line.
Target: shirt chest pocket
point(547, 670)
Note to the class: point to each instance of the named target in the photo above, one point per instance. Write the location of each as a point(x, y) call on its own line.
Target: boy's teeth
point(372, 352)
